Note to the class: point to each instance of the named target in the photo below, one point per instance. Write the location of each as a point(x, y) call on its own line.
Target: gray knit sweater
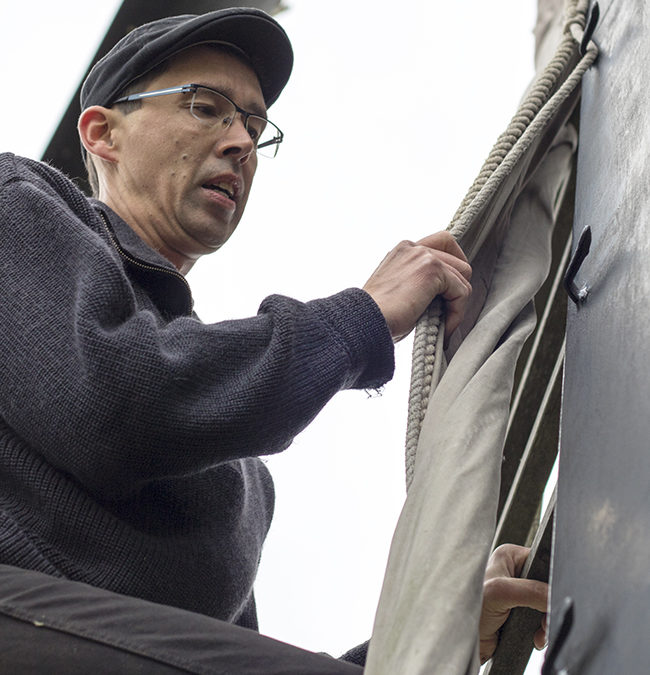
point(129, 430)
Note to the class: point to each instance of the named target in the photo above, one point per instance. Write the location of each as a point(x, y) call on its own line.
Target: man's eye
point(205, 110)
point(256, 127)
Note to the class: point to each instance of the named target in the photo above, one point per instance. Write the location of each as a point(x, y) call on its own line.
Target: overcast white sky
point(390, 112)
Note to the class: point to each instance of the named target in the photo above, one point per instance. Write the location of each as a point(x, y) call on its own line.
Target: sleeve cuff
point(361, 326)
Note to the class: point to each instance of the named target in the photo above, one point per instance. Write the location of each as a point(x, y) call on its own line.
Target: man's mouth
point(225, 183)
point(224, 188)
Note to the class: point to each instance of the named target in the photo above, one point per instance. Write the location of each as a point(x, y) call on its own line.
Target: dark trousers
point(54, 626)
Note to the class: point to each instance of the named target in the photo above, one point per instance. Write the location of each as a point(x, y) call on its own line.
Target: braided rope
point(540, 105)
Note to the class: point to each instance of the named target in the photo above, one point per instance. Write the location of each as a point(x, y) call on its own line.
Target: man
point(130, 431)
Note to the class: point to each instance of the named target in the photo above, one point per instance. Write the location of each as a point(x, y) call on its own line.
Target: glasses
point(217, 111)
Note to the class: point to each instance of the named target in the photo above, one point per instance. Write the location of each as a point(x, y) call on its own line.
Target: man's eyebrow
point(252, 107)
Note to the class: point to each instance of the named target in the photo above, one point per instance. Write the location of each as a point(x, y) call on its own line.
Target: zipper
point(138, 263)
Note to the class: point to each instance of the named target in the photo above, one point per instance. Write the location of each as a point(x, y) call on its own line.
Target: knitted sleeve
point(114, 395)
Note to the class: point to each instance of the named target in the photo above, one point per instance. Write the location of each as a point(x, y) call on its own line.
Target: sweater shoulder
point(30, 173)
point(16, 168)
point(24, 181)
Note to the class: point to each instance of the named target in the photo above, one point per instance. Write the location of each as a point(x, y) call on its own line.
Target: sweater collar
point(130, 241)
point(170, 292)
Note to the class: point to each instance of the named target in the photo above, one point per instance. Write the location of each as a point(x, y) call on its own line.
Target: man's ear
point(96, 130)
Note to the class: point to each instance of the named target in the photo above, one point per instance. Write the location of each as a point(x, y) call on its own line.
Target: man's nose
point(236, 142)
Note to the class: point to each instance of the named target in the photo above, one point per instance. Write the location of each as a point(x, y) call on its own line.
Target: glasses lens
point(268, 136)
point(212, 108)
point(215, 110)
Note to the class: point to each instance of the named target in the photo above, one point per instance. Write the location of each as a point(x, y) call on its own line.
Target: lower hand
point(502, 591)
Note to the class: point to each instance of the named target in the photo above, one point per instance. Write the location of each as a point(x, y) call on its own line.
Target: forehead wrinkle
point(216, 68)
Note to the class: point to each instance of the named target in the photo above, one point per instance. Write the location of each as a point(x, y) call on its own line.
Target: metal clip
point(594, 15)
point(566, 623)
point(578, 295)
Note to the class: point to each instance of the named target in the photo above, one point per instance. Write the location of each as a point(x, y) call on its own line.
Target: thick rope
point(539, 106)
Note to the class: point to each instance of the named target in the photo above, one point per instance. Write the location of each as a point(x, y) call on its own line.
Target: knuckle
point(495, 587)
point(504, 550)
point(406, 243)
point(432, 258)
point(500, 554)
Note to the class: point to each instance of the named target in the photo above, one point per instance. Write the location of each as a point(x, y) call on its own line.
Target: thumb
point(519, 593)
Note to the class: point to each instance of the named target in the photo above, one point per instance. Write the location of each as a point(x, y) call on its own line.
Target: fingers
point(503, 591)
point(458, 275)
point(412, 274)
point(507, 560)
point(502, 594)
point(489, 636)
point(449, 250)
point(455, 294)
point(443, 241)
point(540, 638)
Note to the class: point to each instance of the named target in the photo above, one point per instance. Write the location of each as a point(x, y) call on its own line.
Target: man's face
point(169, 163)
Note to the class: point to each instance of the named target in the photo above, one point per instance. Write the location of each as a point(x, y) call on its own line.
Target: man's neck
point(140, 224)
